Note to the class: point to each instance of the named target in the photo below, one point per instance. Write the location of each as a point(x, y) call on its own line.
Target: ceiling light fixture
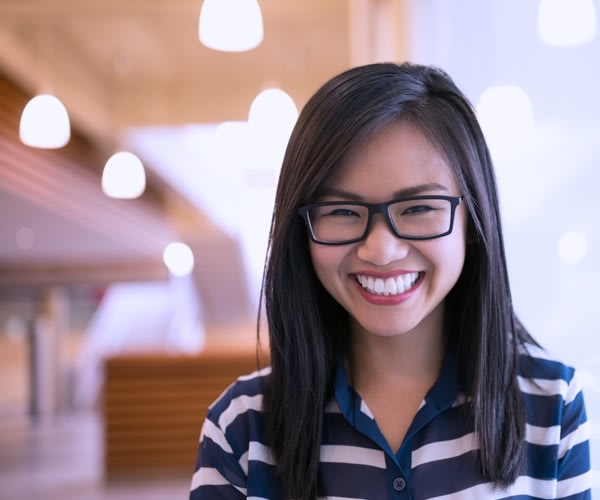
point(230, 25)
point(572, 246)
point(179, 258)
point(507, 120)
point(45, 123)
point(272, 116)
point(566, 23)
point(123, 176)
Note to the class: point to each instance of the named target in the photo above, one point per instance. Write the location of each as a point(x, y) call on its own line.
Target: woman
point(398, 367)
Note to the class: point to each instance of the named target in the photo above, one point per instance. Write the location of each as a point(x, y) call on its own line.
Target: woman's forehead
point(398, 157)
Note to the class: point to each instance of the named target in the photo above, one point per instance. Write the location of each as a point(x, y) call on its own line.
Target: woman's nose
point(382, 246)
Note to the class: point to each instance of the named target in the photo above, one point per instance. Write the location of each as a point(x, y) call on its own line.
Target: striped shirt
point(437, 460)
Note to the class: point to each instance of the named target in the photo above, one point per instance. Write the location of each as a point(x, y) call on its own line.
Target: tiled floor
point(60, 458)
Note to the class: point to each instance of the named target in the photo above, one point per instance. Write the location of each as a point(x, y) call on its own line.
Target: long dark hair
point(308, 329)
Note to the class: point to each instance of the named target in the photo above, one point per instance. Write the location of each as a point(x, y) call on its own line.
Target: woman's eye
point(341, 212)
point(418, 209)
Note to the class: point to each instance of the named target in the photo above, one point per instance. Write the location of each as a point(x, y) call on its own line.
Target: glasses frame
point(380, 208)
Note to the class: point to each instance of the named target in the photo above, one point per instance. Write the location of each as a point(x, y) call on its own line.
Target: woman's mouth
point(394, 285)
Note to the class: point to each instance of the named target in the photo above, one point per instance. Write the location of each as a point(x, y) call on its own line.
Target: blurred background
point(125, 308)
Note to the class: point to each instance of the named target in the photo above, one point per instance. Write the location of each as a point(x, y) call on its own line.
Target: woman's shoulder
point(541, 373)
point(244, 395)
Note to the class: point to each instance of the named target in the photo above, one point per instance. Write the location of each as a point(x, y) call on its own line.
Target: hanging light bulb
point(273, 108)
point(566, 23)
point(179, 258)
point(507, 119)
point(230, 25)
point(45, 123)
point(123, 176)
point(272, 116)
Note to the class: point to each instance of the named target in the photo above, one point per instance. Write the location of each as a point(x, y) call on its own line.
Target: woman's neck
point(393, 374)
point(414, 355)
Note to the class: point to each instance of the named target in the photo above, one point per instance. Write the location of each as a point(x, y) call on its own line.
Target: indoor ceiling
point(123, 65)
point(119, 64)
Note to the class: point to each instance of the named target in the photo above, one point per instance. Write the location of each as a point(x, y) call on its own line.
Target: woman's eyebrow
point(340, 193)
point(419, 189)
point(401, 193)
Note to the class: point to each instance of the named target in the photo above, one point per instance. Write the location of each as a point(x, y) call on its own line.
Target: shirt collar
point(441, 395)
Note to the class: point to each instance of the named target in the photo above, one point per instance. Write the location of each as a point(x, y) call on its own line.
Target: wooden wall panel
point(154, 406)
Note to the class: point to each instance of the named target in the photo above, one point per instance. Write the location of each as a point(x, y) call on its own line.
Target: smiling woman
point(398, 365)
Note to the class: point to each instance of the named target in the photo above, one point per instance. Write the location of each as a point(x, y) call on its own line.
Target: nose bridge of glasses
point(380, 243)
point(379, 214)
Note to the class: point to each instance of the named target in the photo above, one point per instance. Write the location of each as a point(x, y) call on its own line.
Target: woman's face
point(397, 160)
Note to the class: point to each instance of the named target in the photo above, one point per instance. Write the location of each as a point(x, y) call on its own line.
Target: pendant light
point(123, 176)
point(566, 23)
point(507, 119)
point(230, 25)
point(272, 116)
point(179, 258)
point(45, 123)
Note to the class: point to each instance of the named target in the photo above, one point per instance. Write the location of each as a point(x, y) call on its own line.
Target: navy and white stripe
point(438, 459)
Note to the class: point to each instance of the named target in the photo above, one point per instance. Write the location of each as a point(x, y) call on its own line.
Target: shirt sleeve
point(218, 474)
point(574, 474)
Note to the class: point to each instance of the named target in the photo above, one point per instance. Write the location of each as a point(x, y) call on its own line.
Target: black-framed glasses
point(410, 218)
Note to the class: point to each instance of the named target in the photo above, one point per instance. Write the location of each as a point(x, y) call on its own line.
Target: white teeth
point(408, 281)
point(388, 286)
point(370, 283)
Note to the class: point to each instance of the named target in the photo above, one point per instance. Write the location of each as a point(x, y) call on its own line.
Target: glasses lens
point(421, 218)
point(339, 222)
